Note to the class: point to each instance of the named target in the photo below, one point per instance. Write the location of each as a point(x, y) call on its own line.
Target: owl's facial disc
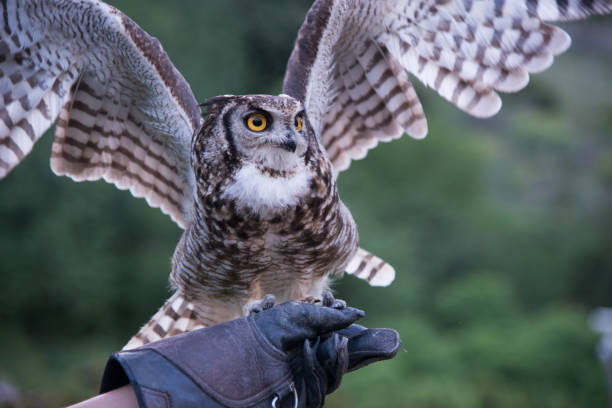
point(272, 129)
point(271, 135)
point(260, 123)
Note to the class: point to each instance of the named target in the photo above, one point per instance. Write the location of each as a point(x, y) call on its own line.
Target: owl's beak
point(289, 143)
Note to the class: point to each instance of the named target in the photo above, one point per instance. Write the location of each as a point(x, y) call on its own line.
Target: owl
point(252, 179)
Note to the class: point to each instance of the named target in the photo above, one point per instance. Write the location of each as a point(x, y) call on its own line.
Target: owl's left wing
point(125, 113)
point(350, 61)
point(351, 58)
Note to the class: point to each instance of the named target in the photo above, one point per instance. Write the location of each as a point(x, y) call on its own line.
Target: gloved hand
point(289, 355)
point(319, 370)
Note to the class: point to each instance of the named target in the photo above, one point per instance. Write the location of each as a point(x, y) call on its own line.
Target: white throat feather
point(262, 190)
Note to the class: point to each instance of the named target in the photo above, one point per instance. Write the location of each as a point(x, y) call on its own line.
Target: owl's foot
point(330, 301)
point(260, 305)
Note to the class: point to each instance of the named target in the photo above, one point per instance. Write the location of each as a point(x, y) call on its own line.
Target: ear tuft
point(216, 100)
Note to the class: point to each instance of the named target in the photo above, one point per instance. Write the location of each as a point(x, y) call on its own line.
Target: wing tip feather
point(560, 41)
point(418, 130)
point(370, 268)
point(384, 277)
point(489, 105)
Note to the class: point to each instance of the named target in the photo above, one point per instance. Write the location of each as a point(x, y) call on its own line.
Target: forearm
point(123, 397)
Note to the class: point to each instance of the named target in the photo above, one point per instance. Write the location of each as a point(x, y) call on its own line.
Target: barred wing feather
point(125, 113)
point(351, 58)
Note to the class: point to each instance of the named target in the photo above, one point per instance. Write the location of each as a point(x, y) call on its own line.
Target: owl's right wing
point(351, 58)
point(125, 113)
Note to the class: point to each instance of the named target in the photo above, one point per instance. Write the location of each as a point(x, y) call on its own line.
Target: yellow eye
point(257, 122)
point(298, 124)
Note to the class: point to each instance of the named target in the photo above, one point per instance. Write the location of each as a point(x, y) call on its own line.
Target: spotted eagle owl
point(253, 180)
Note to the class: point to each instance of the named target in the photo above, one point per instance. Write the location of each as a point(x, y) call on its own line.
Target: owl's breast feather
point(262, 191)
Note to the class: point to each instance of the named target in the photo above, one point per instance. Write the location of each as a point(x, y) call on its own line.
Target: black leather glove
point(320, 368)
point(290, 355)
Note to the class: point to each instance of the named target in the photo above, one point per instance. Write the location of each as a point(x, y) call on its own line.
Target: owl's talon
point(339, 304)
point(268, 302)
point(259, 306)
point(330, 301)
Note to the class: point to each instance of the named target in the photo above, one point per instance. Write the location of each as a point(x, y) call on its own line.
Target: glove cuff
point(230, 364)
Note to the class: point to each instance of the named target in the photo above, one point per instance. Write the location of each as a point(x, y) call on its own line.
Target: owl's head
point(269, 131)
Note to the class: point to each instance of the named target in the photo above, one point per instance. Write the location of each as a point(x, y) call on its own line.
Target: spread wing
point(351, 59)
point(126, 115)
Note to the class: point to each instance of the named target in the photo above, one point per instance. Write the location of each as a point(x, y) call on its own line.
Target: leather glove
point(288, 355)
point(323, 362)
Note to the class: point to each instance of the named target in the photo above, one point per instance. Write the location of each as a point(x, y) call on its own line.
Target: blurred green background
point(499, 229)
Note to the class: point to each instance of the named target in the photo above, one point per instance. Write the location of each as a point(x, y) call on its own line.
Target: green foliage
point(498, 230)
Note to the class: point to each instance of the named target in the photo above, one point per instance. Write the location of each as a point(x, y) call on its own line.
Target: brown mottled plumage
point(238, 249)
point(258, 200)
point(249, 238)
